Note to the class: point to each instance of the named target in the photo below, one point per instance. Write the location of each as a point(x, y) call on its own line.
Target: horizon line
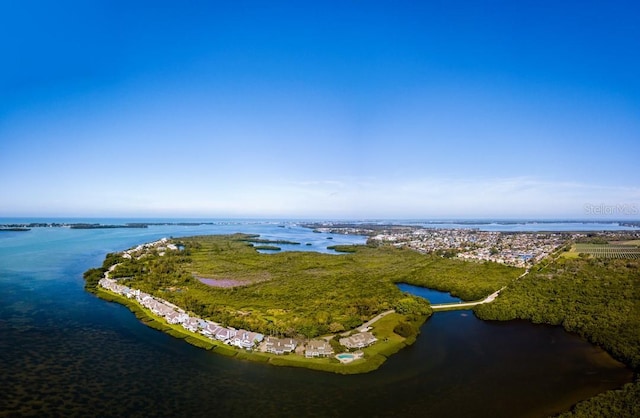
point(332, 219)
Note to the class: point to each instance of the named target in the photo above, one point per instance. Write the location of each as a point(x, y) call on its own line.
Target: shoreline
point(374, 355)
point(360, 349)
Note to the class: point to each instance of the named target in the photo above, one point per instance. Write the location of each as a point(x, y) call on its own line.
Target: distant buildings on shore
point(514, 249)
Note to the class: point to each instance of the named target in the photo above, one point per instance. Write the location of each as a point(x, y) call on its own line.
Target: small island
point(342, 314)
point(105, 226)
point(267, 247)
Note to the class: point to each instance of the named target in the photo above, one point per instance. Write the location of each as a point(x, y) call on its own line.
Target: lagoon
point(433, 296)
point(66, 352)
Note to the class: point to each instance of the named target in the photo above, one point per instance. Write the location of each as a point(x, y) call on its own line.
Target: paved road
point(369, 323)
point(488, 299)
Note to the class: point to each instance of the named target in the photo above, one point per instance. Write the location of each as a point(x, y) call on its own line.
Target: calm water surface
point(528, 226)
point(64, 352)
point(433, 296)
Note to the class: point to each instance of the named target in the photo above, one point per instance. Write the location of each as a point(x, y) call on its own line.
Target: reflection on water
point(433, 296)
point(64, 352)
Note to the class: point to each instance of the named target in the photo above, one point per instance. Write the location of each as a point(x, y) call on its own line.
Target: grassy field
point(635, 242)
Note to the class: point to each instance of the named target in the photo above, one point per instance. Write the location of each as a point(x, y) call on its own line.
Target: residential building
point(358, 340)
point(280, 345)
point(318, 348)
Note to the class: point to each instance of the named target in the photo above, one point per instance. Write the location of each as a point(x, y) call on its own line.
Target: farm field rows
point(608, 251)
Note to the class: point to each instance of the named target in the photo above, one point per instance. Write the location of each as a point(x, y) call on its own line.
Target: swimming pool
point(345, 356)
point(349, 357)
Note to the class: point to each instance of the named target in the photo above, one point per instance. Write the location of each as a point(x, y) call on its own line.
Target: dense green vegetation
point(466, 280)
point(343, 248)
point(614, 403)
point(596, 298)
point(92, 276)
point(267, 247)
point(404, 329)
point(302, 293)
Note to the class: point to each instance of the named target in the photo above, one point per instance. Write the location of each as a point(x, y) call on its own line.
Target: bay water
point(64, 352)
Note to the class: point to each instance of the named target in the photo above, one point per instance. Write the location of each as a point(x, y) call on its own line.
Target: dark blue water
point(64, 352)
point(433, 296)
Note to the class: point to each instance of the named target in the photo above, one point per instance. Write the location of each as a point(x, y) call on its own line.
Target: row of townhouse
point(111, 284)
point(160, 245)
point(174, 315)
point(236, 337)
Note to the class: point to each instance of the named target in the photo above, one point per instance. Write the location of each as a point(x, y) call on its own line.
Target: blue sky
point(448, 109)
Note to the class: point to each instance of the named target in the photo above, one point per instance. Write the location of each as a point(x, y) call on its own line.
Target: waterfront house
point(163, 309)
point(245, 339)
point(191, 324)
point(224, 334)
point(318, 348)
point(359, 340)
point(210, 329)
point(280, 345)
point(257, 337)
point(176, 317)
point(142, 297)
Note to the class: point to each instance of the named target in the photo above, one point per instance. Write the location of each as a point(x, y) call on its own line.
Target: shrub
point(405, 329)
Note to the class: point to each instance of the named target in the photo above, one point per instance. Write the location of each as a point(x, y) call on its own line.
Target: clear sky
point(345, 109)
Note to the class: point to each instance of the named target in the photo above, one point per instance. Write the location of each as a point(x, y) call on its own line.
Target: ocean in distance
point(65, 352)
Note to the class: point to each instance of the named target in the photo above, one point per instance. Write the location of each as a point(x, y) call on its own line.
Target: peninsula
point(344, 313)
point(339, 313)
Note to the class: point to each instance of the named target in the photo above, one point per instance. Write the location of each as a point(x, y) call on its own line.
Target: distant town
point(518, 249)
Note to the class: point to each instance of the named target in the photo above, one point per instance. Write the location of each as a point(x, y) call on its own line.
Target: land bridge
point(465, 305)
